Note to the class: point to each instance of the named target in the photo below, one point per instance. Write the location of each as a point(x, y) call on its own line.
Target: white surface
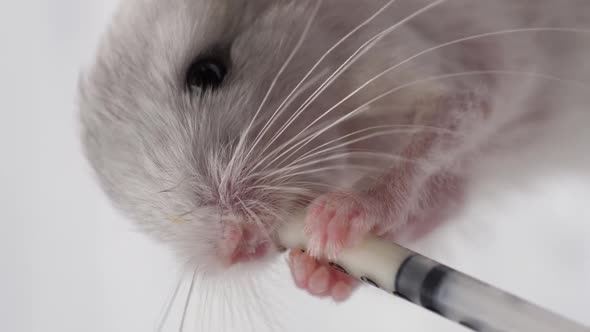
point(69, 263)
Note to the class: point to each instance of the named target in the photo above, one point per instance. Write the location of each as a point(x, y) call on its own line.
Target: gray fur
point(159, 151)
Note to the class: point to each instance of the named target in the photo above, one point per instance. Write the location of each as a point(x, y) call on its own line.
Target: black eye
point(205, 74)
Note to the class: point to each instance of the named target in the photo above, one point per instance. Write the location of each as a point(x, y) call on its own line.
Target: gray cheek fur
point(157, 150)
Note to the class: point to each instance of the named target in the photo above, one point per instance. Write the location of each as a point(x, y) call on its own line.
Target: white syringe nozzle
point(373, 259)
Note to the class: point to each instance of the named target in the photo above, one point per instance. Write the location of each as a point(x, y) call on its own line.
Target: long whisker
point(275, 80)
point(231, 166)
point(264, 301)
point(323, 57)
point(171, 300)
point(399, 129)
point(351, 60)
point(292, 96)
point(307, 132)
point(312, 184)
point(240, 146)
point(202, 309)
point(329, 168)
point(207, 318)
point(364, 107)
point(225, 308)
point(188, 300)
point(228, 303)
point(432, 49)
point(259, 222)
point(312, 130)
point(353, 153)
point(253, 215)
point(347, 64)
point(291, 190)
point(270, 211)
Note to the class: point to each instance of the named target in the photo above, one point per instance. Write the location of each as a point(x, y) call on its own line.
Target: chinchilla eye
point(205, 74)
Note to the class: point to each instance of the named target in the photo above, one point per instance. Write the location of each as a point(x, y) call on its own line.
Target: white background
point(68, 262)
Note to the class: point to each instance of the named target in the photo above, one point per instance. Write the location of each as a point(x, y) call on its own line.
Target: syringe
point(436, 287)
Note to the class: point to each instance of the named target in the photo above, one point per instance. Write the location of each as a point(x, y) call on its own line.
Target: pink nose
point(243, 242)
point(249, 253)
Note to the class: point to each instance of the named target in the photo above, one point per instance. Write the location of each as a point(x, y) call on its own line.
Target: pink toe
point(341, 291)
point(319, 281)
point(301, 266)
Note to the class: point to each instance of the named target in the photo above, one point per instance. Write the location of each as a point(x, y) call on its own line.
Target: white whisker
point(170, 302)
point(253, 215)
point(353, 153)
point(295, 95)
point(347, 64)
point(263, 302)
point(291, 190)
point(312, 184)
point(364, 107)
point(240, 146)
point(275, 80)
point(188, 300)
point(328, 52)
point(206, 299)
point(269, 211)
point(329, 168)
point(400, 129)
point(225, 309)
point(351, 60)
point(432, 49)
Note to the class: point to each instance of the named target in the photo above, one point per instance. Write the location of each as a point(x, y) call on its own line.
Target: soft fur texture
point(180, 164)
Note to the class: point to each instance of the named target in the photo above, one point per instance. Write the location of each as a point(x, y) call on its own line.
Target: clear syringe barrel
point(473, 303)
point(436, 287)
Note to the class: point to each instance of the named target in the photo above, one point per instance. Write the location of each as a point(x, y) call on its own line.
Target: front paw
point(318, 279)
point(336, 221)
